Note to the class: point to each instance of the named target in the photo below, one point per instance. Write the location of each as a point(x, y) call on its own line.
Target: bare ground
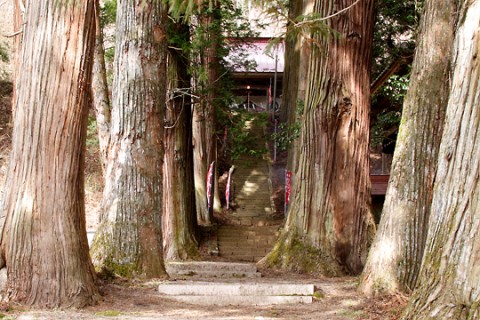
point(138, 300)
point(122, 299)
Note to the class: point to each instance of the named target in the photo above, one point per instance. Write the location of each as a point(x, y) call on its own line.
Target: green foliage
point(394, 32)
point(92, 137)
point(286, 134)
point(108, 12)
point(243, 141)
point(386, 119)
point(395, 89)
point(3, 53)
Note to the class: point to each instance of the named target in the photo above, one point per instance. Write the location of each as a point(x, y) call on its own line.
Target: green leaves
point(108, 12)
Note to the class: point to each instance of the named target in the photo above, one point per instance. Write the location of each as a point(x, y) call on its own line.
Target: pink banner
point(210, 173)
point(288, 186)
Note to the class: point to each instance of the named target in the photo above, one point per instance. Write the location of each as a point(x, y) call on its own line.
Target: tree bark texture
point(210, 24)
point(44, 241)
point(129, 238)
point(200, 163)
point(449, 281)
point(298, 55)
point(204, 122)
point(396, 254)
point(179, 218)
point(100, 93)
point(330, 210)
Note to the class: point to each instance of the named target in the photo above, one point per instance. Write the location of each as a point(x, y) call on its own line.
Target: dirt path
point(139, 300)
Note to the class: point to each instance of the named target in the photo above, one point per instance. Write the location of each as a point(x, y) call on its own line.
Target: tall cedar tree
point(207, 35)
point(394, 260)
point(329, 223)
point(449, 282)
point(129, 240)
point(100, 93)
point(44, 243)
point(179, 218)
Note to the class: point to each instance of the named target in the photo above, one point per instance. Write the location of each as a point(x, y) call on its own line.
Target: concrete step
point(214, 293)
point(194, 288)
point(209, 269)
point(242, 300)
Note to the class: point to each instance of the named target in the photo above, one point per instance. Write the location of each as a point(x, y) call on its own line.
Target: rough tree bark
point(297, 59)
point(179, 219)
point(129, 240)
point(200, 163)
point(100, 94)
point(204, 122)
point(329, 223)
point(44, 242)
point(449, 282)
point(396, 254)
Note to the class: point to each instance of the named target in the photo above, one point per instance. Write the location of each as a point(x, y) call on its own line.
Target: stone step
point(242, 300)
point(209, 269)
point(253, 221)
point(248, 242)
point(214, 293)
point(194, 288)
point(240, 229)
point(210, 266)
point(257, 240)
point(231, 250)
point(251, 236)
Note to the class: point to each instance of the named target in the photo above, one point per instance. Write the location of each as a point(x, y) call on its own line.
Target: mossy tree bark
point(396, 254)
point(330, 209)
point(449, 281)
point(179, 218)
point(44, 243)
point(100, 93)
point(129, 238)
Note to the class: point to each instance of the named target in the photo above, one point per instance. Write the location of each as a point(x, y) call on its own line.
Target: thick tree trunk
point(211, 64)
point(449, 282)
point(44, 240)
point(129, 240)
point(100, 94)
point(200, 164)
point(179, 217)
point(396, 255)
point(204, 122)
point(329, 226)
point(294, 89)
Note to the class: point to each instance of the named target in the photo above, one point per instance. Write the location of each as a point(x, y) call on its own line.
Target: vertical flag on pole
point(288, 188)
point(270, 98)
point(228, 188)
point(210, 187)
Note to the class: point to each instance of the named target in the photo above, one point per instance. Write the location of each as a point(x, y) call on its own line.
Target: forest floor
point(127, 299)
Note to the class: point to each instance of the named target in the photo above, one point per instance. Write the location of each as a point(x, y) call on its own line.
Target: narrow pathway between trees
point(253, 230)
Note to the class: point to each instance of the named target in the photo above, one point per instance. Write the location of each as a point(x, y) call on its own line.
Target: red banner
point(288, 186)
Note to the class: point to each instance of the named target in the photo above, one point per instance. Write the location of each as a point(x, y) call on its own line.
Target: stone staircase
point(249, 236)
point(246, 243)
point(253, 230)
